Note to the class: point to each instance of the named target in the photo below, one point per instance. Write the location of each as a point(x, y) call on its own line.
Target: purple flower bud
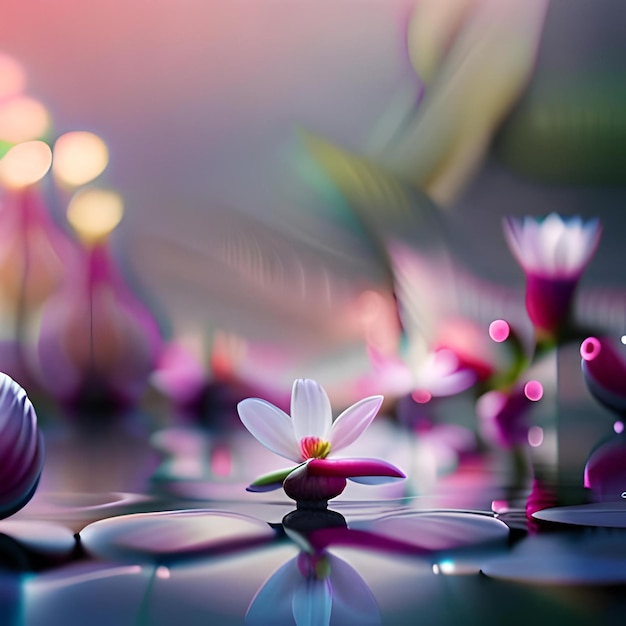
point(21, 447)
point(604, 371)
point(303, 487)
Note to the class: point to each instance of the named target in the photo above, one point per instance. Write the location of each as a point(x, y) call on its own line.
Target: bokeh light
point(590, 348)
point(618, 427)
point(499, 330)
point(533, 390)
point(421, 396)
point(22, 118)
point(94, 213)
point(79, 157)
point(535, 436)
point(25, 164)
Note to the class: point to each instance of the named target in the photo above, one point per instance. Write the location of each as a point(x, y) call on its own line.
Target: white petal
point(551, 233)
point(273, 602)
point(271, 426)
point(353, 421)
point(452, 383)
point(563, 250)
point(312, 602)
point(310, 410)
point(592, 233)
point(514, 235)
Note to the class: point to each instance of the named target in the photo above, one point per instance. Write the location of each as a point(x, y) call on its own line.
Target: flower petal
point(349, 426)
point(353, 601)
point(271, 426)
point(312, 602)
point(351, 468)
point(310, 410)
point(272, 604)
point(270, 481)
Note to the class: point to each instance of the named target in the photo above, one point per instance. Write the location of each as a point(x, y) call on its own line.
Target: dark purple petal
point(325, 537)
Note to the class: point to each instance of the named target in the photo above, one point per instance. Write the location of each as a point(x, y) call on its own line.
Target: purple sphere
point(21, 447)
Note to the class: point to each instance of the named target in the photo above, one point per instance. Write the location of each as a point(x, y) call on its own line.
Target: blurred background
point(205, 200)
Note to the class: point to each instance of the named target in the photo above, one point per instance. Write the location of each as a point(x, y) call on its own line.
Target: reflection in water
point(315, 588)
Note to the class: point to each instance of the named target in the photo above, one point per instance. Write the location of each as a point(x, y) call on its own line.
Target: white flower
point(310, 432)
point(552, 247)
point(437, 374)
point(442, 374)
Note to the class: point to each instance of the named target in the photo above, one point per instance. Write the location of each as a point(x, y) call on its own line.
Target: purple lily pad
point(600, 514)
point(173, 536)
point(445, 530)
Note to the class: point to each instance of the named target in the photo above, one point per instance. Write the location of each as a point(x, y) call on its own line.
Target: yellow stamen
point(314, 448)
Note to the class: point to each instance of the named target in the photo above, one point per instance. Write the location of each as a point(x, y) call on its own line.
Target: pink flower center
point(314, 448)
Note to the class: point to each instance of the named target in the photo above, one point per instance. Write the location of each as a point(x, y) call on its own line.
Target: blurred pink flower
point(97, 343)
point(503, 416)
point(553, 252)
point(441, 373)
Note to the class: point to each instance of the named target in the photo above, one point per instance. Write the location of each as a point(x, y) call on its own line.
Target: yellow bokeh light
point(22, 118)
point(25, 164)
point(94, 213)
point(79, 157)
point(12, 77)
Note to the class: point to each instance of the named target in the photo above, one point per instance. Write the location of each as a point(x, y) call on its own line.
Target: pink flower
point(553, 252)
point(308, 437)
point(97, 341)
point(441, 373)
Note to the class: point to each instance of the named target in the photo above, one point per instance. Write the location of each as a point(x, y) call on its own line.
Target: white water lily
point(310, 432)
point(552, 247)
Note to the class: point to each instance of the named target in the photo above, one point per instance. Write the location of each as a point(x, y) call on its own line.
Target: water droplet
point(535, 436)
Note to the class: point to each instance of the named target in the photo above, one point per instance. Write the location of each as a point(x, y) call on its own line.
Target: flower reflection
point(504, 415)
point(604, 370)
point(311, 589)
point(308, 437)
